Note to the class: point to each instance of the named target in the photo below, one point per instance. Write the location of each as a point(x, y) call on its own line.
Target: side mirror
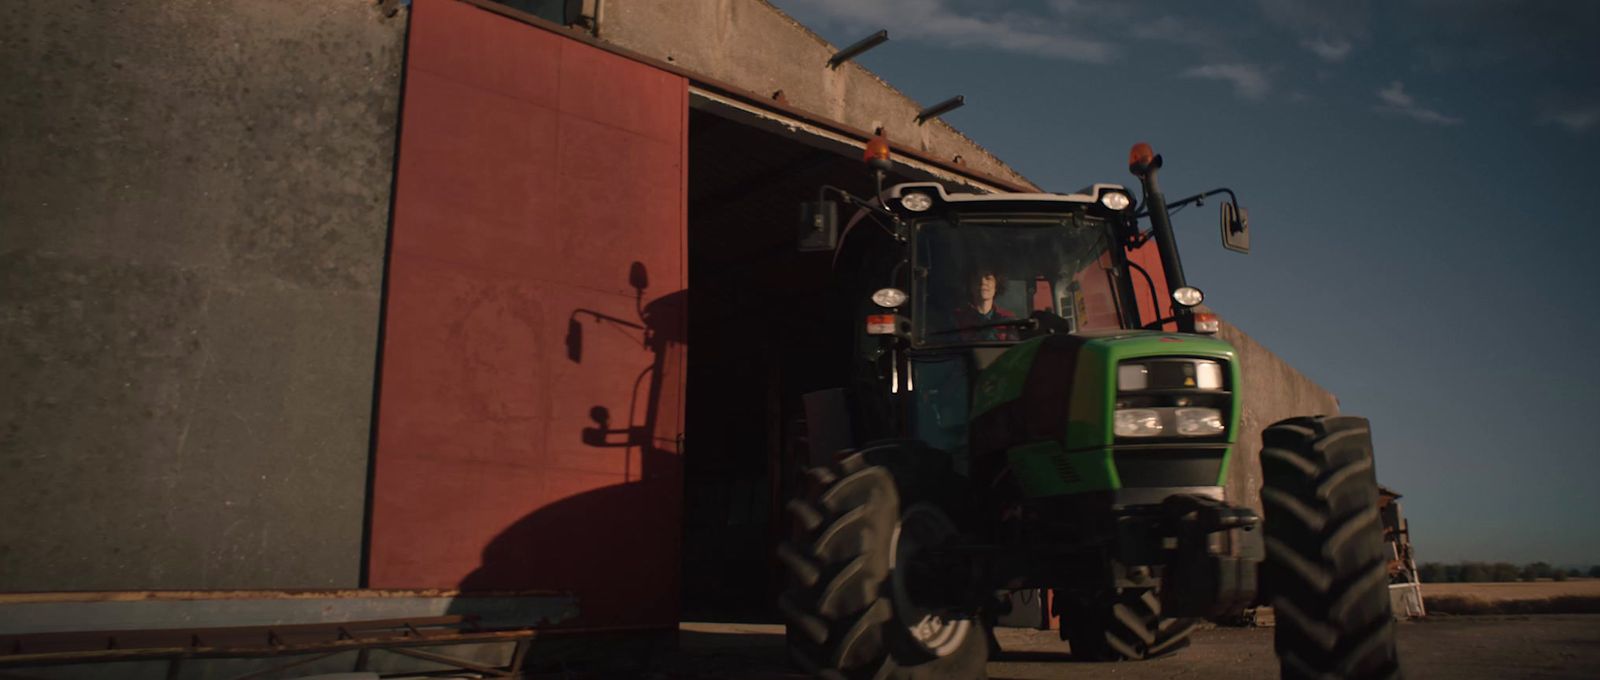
point(819, 226)
point(1235, 228)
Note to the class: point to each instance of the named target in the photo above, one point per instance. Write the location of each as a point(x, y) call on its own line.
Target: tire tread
point(840, 620)
point(1325, 563)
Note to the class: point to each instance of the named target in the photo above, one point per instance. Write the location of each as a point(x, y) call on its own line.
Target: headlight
point(1138, 422)
point(889, 297)
point(1132, 377)
point(1162, 373)
point(1115, 200)
point(1199, 422)
point(916, 202)
point(1188, 296)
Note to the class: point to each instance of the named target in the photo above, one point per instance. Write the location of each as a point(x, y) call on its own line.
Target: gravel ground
point(1460, 647)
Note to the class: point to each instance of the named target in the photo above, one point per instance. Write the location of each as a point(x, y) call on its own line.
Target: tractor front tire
point(1122, 626)
point(1326, 568)
point(847, 614)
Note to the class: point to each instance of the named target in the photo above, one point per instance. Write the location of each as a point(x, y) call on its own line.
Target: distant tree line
point(1487, 572)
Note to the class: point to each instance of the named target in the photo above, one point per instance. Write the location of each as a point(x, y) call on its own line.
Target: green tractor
point(1015, 423)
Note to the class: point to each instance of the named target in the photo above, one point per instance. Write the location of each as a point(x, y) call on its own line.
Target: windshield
point(977, 279)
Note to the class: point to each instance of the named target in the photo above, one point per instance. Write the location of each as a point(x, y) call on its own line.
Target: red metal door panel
point(487, 52)
point(536, 172)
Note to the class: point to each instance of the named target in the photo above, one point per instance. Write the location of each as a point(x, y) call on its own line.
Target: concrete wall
point(193, 205)
point(753, 46)
point(1273, 390)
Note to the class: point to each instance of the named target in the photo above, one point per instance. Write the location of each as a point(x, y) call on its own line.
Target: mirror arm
point(1197, 199)
point(852, 199)
point(607, 317)
point(604, 318)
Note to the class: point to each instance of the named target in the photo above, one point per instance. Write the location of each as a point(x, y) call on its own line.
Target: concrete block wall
point(752, 45)
point(194, 198)
point(1273, 390)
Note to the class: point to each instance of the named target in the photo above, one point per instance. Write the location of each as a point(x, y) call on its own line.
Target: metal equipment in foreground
point(1405, 583)
point(1016, 420)
point(272, 634)
point(301, 644)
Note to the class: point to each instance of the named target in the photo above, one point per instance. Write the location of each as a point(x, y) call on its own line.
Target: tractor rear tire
point(846, 611)
point(1123, 626)
point(1326, 568)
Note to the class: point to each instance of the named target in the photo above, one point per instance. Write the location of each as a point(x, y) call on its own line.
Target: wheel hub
point(936, 627)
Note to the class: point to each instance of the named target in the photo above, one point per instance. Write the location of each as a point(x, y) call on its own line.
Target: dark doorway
point(759, 337)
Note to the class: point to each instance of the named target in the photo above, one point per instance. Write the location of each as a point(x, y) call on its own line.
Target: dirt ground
point(1458, 647)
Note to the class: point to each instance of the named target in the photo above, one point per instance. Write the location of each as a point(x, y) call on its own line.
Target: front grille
point(1189, 466)
point(1069, 474)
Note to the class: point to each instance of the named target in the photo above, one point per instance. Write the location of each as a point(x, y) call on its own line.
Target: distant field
point(1577, 596)
point(1515, 591)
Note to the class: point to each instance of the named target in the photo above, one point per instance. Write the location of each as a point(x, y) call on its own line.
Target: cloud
point(1329, 30)
point(1543, 50)
point(1396, 101)
point(1329, 20)
point(1470, 35)
point(1577, 119)
point(1248, 80)
point(1332, 50)
point(977, 27)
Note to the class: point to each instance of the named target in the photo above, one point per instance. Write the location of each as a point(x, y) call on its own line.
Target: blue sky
point(1422, 185)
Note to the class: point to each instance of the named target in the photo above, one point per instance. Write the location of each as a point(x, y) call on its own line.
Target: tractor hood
point(1057, 399)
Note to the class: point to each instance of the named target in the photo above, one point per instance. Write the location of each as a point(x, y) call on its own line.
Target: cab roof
point(1035, 202)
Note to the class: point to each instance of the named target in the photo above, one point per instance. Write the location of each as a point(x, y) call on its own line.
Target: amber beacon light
point(877, 150)
point(1141, 157)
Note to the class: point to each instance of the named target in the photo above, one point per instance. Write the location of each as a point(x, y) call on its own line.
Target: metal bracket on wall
point(585, 14)
point(391, 7)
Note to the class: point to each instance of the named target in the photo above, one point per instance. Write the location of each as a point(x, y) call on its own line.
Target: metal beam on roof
point(907, 164)
point(860, 46)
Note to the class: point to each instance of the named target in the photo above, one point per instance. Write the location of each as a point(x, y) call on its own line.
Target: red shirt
point(966, 316)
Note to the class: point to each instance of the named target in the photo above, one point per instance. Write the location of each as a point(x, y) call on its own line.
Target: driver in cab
point(980, 309)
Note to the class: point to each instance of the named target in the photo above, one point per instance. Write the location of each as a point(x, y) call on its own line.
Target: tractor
point(1013, 422)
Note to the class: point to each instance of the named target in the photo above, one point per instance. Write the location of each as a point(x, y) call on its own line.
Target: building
point(393, 301)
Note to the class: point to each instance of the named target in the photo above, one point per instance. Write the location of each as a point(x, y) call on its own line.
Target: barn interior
point(759, 337)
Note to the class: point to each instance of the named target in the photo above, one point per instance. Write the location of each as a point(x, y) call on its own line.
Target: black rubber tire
point(1326, 565)
point(840, 612)
point(1123, 626)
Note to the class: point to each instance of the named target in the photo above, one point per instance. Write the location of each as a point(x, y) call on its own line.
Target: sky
point(1422, 184)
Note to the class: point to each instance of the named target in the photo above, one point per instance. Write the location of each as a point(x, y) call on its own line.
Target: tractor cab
point(973, 275)
point(991, 270)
